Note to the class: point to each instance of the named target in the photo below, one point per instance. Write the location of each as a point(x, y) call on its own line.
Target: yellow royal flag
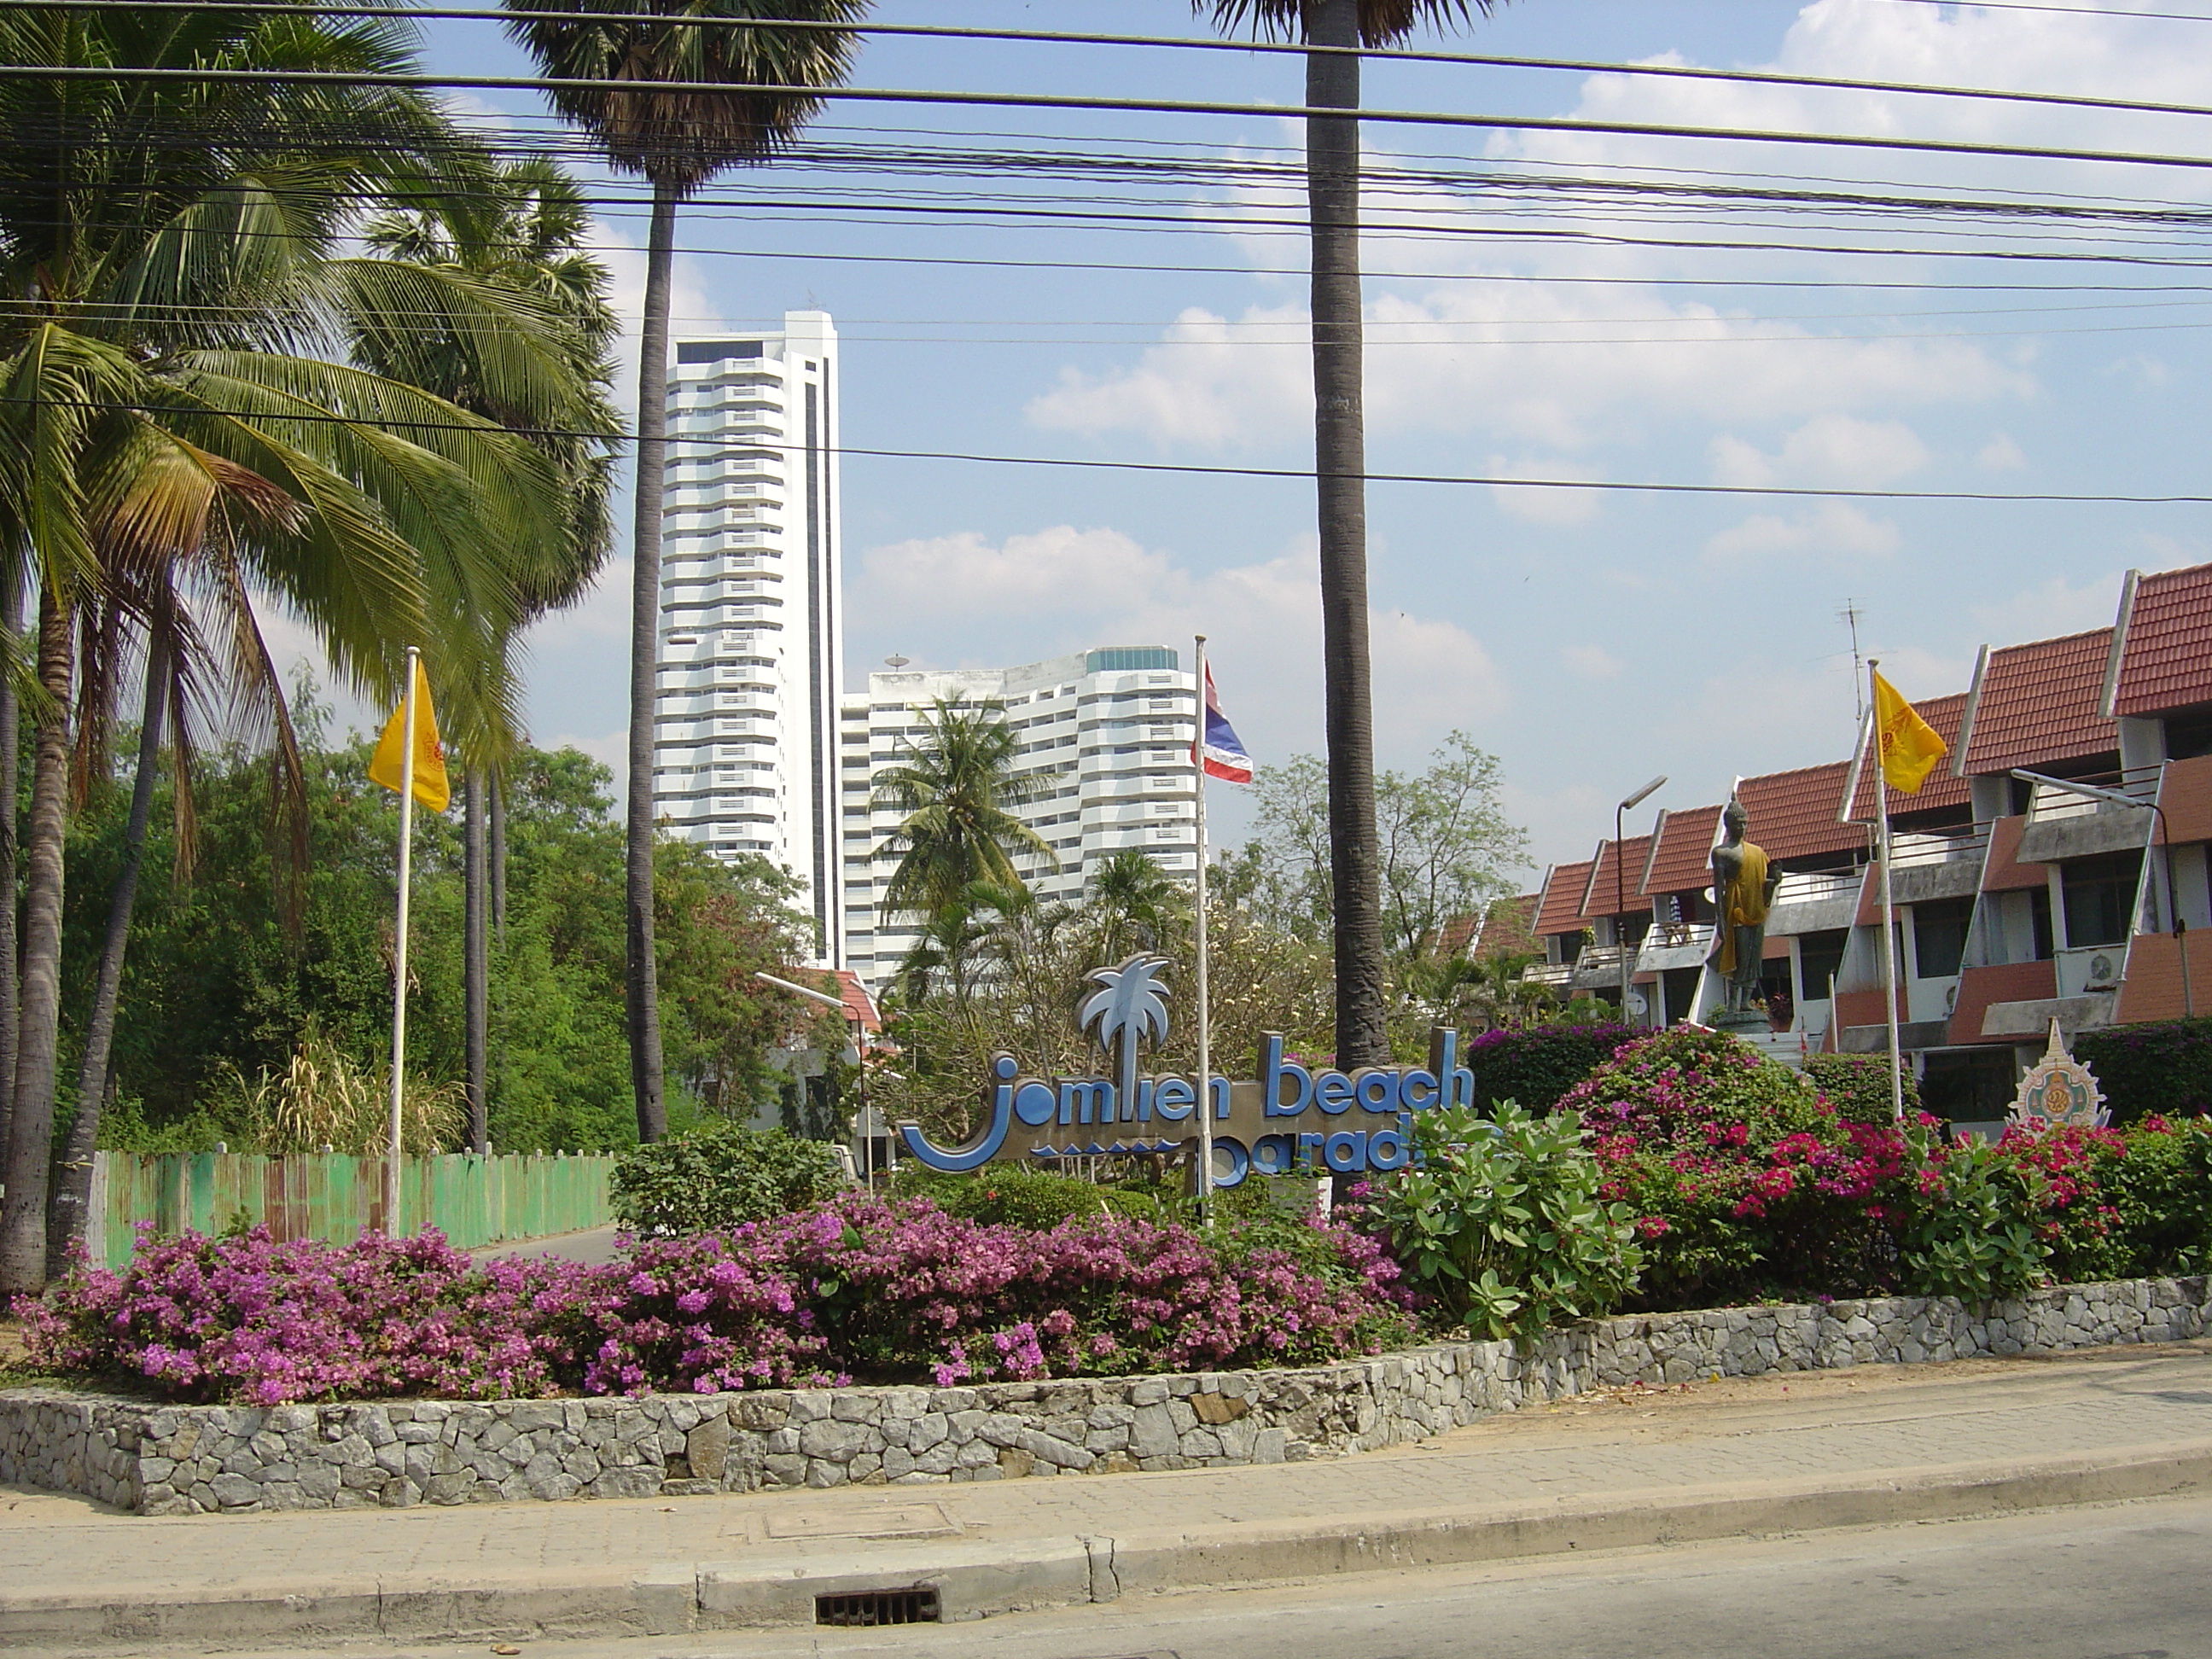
point(387, 766)
point(1909, 747)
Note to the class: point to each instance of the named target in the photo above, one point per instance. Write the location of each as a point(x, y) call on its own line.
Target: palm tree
point(1134, 904)
point(677, 140)
point(175, 435)
point(952, 792)
point(526, 229)
point(1340, 468)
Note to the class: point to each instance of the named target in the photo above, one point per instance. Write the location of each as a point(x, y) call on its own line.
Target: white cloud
point(1833, 529)
point(2054, 607)
point(1835, 451)
point(1543, 504)
point(612, 750)
point(1063, 589)
point(1592, 662)
point(2000, 454)
point(1528, 361)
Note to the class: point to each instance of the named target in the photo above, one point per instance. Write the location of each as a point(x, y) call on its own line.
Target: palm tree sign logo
point(1132, 1006)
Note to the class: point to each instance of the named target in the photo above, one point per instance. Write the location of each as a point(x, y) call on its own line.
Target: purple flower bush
point(858, 1288)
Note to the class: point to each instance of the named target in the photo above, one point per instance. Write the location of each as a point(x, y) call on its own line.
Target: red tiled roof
point(1509, 928)
point(1685, 859)
point(858, 1003)
point(1793, 814)
point(1622, 861)
point(1561, 911)
point(1940, 789)
point(2038, 703)
point(2165, 661)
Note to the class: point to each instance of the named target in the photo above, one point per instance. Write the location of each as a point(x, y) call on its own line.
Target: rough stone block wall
point(163, 1460)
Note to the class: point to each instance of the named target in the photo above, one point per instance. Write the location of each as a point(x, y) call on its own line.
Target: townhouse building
point(2017, 899)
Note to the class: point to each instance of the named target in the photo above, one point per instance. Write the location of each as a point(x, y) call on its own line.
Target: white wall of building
point(1107, 731)
point(752, 607)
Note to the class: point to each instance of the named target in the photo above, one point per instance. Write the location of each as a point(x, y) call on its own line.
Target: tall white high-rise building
point(1108, 734)
point(752, 623)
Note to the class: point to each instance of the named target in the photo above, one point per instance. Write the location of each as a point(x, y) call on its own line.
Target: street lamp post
point(1621, 884)
point(859, 1051)
point(2093, 792)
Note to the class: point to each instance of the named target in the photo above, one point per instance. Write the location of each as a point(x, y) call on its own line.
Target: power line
point(1184, 43)
point(747, 448)
point(1129, 106)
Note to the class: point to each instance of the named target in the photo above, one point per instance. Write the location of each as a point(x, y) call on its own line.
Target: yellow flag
point(386, 767)
point(1909, 747)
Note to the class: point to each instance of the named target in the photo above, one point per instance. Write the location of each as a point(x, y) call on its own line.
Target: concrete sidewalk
point(1735, 1458)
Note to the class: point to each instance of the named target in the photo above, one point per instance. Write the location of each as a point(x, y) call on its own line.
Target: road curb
point(978, 1577)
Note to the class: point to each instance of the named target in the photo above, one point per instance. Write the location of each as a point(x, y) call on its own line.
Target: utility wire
point(760, 450)
point(1167, 42)
point(1131, 105)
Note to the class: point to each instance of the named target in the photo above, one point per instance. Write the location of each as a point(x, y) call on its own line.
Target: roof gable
point(2036, 703)
point(2165, 649)
point(1561, 912)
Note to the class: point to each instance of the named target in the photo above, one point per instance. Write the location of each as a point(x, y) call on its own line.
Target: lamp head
point(1643, 794)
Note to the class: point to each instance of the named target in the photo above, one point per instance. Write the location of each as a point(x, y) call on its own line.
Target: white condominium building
point(1108, 731)
point(752, 623)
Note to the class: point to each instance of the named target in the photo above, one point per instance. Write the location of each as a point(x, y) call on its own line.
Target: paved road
point(594, 1247)
point(1624, 1448)
point(2130, 1582)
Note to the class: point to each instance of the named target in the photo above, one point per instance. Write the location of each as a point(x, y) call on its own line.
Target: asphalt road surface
point(2128, 1581)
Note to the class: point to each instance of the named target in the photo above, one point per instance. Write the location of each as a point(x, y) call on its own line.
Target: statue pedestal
point(1739, 1023)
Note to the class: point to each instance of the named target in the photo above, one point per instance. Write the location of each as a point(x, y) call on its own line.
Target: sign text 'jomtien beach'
point(1289, 1117)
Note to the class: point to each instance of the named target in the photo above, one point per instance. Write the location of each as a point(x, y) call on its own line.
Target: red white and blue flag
point(1222, 753)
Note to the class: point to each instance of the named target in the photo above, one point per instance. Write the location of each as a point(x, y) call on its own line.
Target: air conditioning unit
point(2102, 972)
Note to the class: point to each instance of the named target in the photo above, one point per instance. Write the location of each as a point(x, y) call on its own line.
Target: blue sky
point(1589, 639)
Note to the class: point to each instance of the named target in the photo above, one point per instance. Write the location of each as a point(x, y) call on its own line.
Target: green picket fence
point(474, 1201)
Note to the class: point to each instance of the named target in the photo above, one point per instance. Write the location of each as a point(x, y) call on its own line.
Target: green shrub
point(1973, 1233)
point(1007, 1195)
point(1857, 1086)
point(1537, 1066)
point(1501, 1224)
point(2162, 1070)
point(715, 1178)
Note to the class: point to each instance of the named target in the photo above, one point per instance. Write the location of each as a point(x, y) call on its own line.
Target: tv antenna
point(1849, 616)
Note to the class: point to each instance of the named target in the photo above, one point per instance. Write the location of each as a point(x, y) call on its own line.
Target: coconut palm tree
point(525, 229)
point(1340, 467)
point(677, 140)
point(1134, 904)
point(951, 790)
point(176, 435)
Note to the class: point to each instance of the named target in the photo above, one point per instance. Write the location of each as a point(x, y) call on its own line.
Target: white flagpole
point(1888, 905)
point(1205, 1019)
point(399, 949)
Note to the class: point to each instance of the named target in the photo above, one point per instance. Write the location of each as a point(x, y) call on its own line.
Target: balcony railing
point(2048, 802)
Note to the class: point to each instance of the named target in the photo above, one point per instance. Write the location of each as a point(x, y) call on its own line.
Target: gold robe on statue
point(1745, 905)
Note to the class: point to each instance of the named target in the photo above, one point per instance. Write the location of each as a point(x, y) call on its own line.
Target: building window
point(2100, 897)
point(1939, 936)
point(1820, 959)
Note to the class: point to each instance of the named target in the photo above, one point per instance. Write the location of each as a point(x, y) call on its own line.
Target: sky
point(1519, 325)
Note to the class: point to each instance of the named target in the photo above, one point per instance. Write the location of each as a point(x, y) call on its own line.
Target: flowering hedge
point(1535, 1065)
point(1748, 1183)
point(858, 1287)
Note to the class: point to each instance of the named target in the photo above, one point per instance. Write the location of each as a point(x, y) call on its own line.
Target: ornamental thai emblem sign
point(2059, 1091)
point(1291, 1116)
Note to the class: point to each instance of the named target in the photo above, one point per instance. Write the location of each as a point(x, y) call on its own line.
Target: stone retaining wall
point(161, 1460)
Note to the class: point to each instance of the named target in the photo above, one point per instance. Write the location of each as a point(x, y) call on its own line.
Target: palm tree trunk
point(68, 1211)
point(643, 980)
point(11, 618)
point(1341, 470)
point(31, 1125)
point(498, 857)
point(475, 954)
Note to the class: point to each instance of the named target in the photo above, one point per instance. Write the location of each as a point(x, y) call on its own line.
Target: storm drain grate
point(905, 1606)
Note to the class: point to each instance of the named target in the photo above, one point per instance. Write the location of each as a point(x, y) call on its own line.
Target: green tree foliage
point(1446, 845)
point(218, 987)
point(951, 790)
point(719, 1176)
point(2163, 1069)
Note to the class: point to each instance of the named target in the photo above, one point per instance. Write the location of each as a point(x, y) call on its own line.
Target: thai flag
point(1224, 755)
